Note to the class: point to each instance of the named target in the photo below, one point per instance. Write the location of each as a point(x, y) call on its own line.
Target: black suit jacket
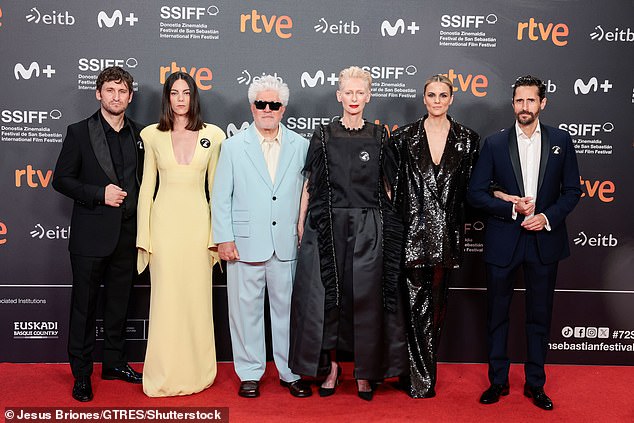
point(558, 192)
point(83, 170)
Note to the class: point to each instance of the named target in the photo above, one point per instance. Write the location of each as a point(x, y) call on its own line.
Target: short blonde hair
point(355, 72)
point(439, 78)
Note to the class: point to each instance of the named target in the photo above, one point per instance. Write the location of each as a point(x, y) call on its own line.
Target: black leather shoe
point(125, 373)
point(297, 388)
point(249, 389)
point(82, 389)
point(539, 397)
point(492, 395)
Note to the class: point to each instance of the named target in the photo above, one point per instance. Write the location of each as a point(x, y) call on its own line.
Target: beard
point(526, 117)
point(114, 110)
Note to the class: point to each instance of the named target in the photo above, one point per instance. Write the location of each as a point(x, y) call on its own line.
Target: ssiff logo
point(188, 12)
point(536, 31)
point(103, 20)
point(281, 25)
point(389, 30)
point(19, 71)
point(467, 21)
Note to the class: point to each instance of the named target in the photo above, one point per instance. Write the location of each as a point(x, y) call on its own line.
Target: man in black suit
point(99, 167)
point(536, 167)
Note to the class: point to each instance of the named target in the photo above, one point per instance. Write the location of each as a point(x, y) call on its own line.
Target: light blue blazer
point(261, 217)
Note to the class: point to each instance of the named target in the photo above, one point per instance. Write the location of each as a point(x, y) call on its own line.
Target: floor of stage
point(580, 394)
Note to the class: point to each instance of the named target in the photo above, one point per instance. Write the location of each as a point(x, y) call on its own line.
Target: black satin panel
point(432, 204)
point(428, 288)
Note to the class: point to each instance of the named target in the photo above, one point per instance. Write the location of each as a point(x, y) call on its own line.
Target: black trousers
point(539, 279)
point(117, 273)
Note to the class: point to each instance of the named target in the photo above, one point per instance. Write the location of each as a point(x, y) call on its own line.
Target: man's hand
point(228, 251)
point(525, 206)
point(114, 196)
point(535, 223)
point(300, 233)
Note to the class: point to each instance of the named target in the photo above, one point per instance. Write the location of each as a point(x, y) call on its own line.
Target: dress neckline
point(351, 130)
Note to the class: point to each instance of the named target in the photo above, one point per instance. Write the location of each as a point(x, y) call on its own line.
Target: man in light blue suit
point(255, 206)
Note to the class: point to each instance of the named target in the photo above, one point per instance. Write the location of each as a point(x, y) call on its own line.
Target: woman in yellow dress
point(174, 238)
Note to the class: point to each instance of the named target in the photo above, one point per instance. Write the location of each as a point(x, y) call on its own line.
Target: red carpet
point(580, 394)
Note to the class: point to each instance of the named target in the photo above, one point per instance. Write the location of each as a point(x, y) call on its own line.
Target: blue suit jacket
point(261, 217)
point(558, 192)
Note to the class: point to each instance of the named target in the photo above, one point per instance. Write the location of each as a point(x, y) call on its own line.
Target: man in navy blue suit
point(536, 168)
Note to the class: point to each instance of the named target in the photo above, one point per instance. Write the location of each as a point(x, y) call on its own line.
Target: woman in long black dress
point(345, 295)
point(436, 155)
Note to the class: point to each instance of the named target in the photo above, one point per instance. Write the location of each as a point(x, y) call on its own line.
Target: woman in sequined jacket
point(436, 155)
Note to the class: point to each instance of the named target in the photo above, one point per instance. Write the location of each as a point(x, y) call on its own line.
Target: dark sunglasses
point(273, 105)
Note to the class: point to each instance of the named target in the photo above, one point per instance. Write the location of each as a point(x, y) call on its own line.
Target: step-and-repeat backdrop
point(52, 52)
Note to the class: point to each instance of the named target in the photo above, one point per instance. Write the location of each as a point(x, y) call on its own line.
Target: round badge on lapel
point(139, 144)
point(459, 146)
point(205, 142)
point(364, 156)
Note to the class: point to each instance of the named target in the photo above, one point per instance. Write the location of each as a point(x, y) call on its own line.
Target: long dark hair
point(194, 115)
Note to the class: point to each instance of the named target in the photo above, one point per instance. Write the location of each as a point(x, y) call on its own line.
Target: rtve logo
point(347, 28)
point(536, 31)
point(3, 232)
point(477, 84)
point(19, 71)
point(54, 18)
point(466, 21)
point(591, 86)
point(34, 178)
point(389, 30)
point(202, 76)
point(103, 20)
point(187, 12)
point(601, 189)
point(0, 16)
point(260, 22)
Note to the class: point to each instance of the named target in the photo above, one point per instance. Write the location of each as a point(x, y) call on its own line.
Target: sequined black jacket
point(432, 205)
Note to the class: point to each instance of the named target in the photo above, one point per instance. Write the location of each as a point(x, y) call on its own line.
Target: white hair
point(269, 83)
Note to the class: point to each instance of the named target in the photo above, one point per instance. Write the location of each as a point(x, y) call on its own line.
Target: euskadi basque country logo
point(592, 86)
point(245, 77)
point(615, 35)
point(35, 330)
point(115, 19)
point(338, 28)
point(389, 29)
point(32, 70)
point(50, 18)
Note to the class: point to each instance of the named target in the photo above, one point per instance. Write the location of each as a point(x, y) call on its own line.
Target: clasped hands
point(526, 207)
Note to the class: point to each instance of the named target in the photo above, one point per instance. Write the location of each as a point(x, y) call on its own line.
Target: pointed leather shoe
point(82, 389)
point(492, 395)
point(539, 397)
point(124, 373)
